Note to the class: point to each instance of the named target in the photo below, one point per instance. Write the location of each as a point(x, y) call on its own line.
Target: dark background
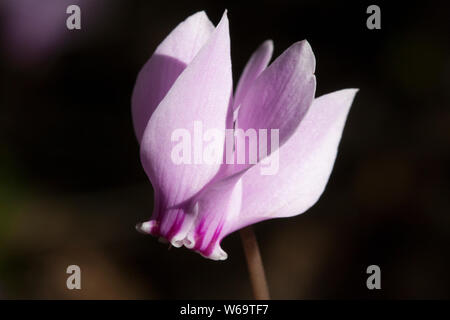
point(72, 187)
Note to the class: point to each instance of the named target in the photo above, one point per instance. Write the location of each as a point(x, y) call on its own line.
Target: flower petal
point(202, 223)
point(200, 96)
point(166, 64)
point(281, 95)
point(255, 65)
point(215, 209)
point(305, 164)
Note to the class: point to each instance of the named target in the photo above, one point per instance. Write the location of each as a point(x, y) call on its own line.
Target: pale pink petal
point(305, 164)
point(257, 63)
point(215, 210)
point(166, 64)
point(281, 95)
point(200, 95)
point(205, 220)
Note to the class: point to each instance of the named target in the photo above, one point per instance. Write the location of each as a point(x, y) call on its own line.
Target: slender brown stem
point(255, 265)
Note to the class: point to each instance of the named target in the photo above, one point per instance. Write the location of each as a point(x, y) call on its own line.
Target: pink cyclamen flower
point(188, 80)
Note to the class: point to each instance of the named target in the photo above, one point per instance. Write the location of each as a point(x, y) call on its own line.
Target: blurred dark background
point(72, 187)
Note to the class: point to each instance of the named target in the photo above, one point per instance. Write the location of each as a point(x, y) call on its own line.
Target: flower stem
point(255, 265)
